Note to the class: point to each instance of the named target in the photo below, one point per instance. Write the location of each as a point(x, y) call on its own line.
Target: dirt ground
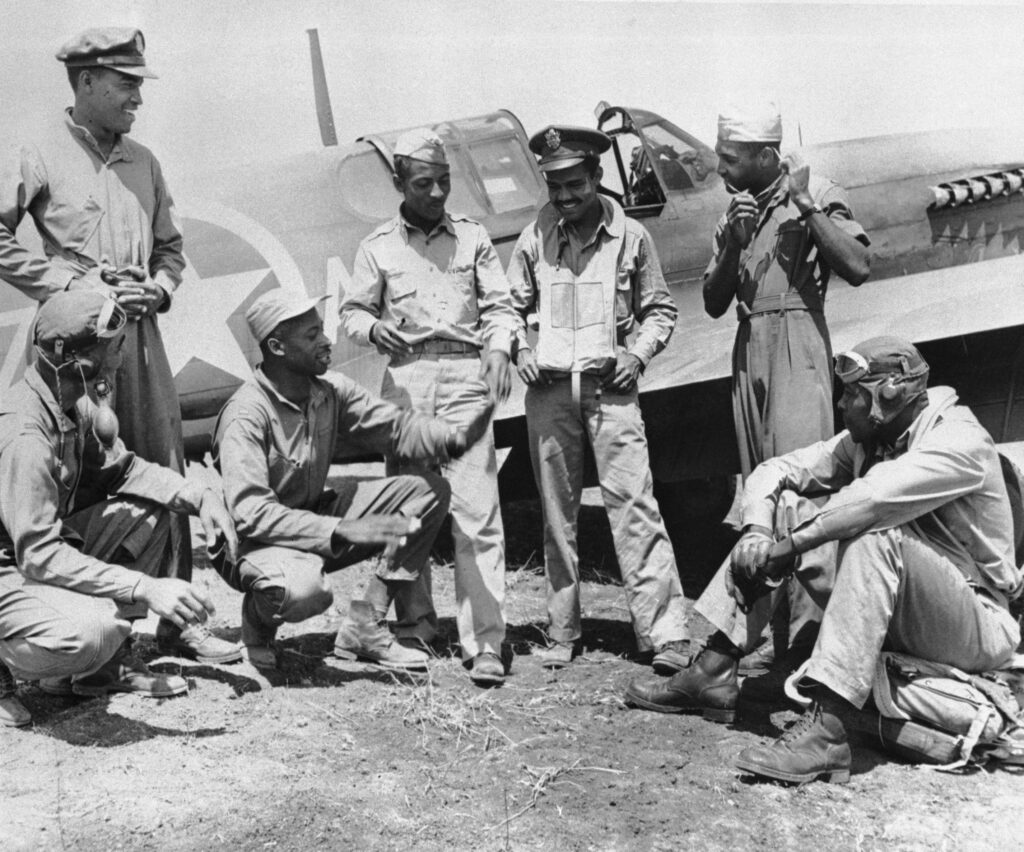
point(332, 755)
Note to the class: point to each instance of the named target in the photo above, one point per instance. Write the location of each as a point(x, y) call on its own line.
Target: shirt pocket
point(462, 298)
point(791, 242)
point(401, 287)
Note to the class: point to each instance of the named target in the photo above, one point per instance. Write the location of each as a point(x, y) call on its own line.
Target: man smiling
point(107, 222)
point(591, 278)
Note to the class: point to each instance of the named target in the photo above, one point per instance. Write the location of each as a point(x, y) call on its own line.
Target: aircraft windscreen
point(680, 163)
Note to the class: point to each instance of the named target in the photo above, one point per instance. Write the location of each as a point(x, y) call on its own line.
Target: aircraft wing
point(934, 305)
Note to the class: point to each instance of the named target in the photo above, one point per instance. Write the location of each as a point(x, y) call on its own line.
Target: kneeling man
point(274, 443)
point(900, 527)
point(84, 522)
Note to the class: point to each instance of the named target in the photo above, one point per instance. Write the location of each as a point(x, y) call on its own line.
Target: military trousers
point(50, 631)
point(559, 428)
point(888, 590)
point(446, 386)
point(281, 584)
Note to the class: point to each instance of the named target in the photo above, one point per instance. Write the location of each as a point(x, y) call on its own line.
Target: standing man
point(900, 527)
point(592, 278)
point(429, 292)
point(775, 248)
point(274, 443)
point(84, 522)
point(107, 222)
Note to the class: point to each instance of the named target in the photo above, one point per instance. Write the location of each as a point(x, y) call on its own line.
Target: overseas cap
point(422, 144)
point(273, 308)
point(77, 319)
point(117, 48)
point(750, 123)
point(561, 147)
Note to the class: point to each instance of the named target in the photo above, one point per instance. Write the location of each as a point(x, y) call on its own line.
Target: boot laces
point(810, 718)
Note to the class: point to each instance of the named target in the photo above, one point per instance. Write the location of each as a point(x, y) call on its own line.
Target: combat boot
point(125, 672)
point(815, 747)
point(196, 642)
point(364, 635)
point(708, 686)
point(12, 712)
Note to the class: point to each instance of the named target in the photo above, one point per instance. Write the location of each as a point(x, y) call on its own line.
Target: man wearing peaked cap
point(84, 522)
point(900, 527)
point(107, 222)
point(563, 147)
point(591, 278)
point(784, 234)
point(117, 48)
point(429, 292)
point(274, 442)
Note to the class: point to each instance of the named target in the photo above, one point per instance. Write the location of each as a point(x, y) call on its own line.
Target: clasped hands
point(758, 564)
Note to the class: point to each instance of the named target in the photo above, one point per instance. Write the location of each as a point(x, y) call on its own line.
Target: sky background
point(235, 83)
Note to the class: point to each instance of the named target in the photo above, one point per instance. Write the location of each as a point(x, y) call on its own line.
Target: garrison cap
point(77, 319)
point(117, 48)
point(273, 308)
point(422, 144)
point(760, 122)
point(561, 147)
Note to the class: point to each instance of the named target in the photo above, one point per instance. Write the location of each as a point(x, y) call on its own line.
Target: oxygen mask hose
point(105, 423)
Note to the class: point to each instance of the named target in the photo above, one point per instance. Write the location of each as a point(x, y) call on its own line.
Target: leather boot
point(197, 642)
point(709, 685)
point(126, 672)
point(12, 712)
point(364, 635)
point(815, 747)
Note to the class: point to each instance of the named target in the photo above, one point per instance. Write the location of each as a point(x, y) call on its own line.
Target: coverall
point(910, 550)
point(115, 210)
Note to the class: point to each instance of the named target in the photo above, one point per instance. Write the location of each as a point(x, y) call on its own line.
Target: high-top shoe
point(708, 686)
point(364, 635)
point(196, 642)
point(125, 672)
point(12, 712)
point(815, 747)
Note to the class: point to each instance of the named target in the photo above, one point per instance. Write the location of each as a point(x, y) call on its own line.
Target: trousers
point(611, 422)
point(50, 631)
point(887, 590)
point(281, 584)
point(442, 386)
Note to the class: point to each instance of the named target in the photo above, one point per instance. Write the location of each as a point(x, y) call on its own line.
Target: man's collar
point(613, 222)
point(316, 392)
point(445, 223)
point(775, 193)
point(118, 152)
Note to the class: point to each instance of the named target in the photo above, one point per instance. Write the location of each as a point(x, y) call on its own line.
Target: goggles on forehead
point(111, 319)
point(854, 367)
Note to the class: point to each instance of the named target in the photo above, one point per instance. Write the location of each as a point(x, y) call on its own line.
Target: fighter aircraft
point(945, 212)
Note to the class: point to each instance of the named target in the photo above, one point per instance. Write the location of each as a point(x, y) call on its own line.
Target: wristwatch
point(810, 211)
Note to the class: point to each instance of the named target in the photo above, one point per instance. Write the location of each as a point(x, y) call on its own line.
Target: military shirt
point(447, 284)
point(782, 256)
point(48, 463)
point(87, 208)
point(943, 477)
point(274, 455)
point(643, 302)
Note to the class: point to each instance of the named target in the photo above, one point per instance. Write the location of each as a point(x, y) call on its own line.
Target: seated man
point(899, 527)
point(84, 522)
point(274, 442)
